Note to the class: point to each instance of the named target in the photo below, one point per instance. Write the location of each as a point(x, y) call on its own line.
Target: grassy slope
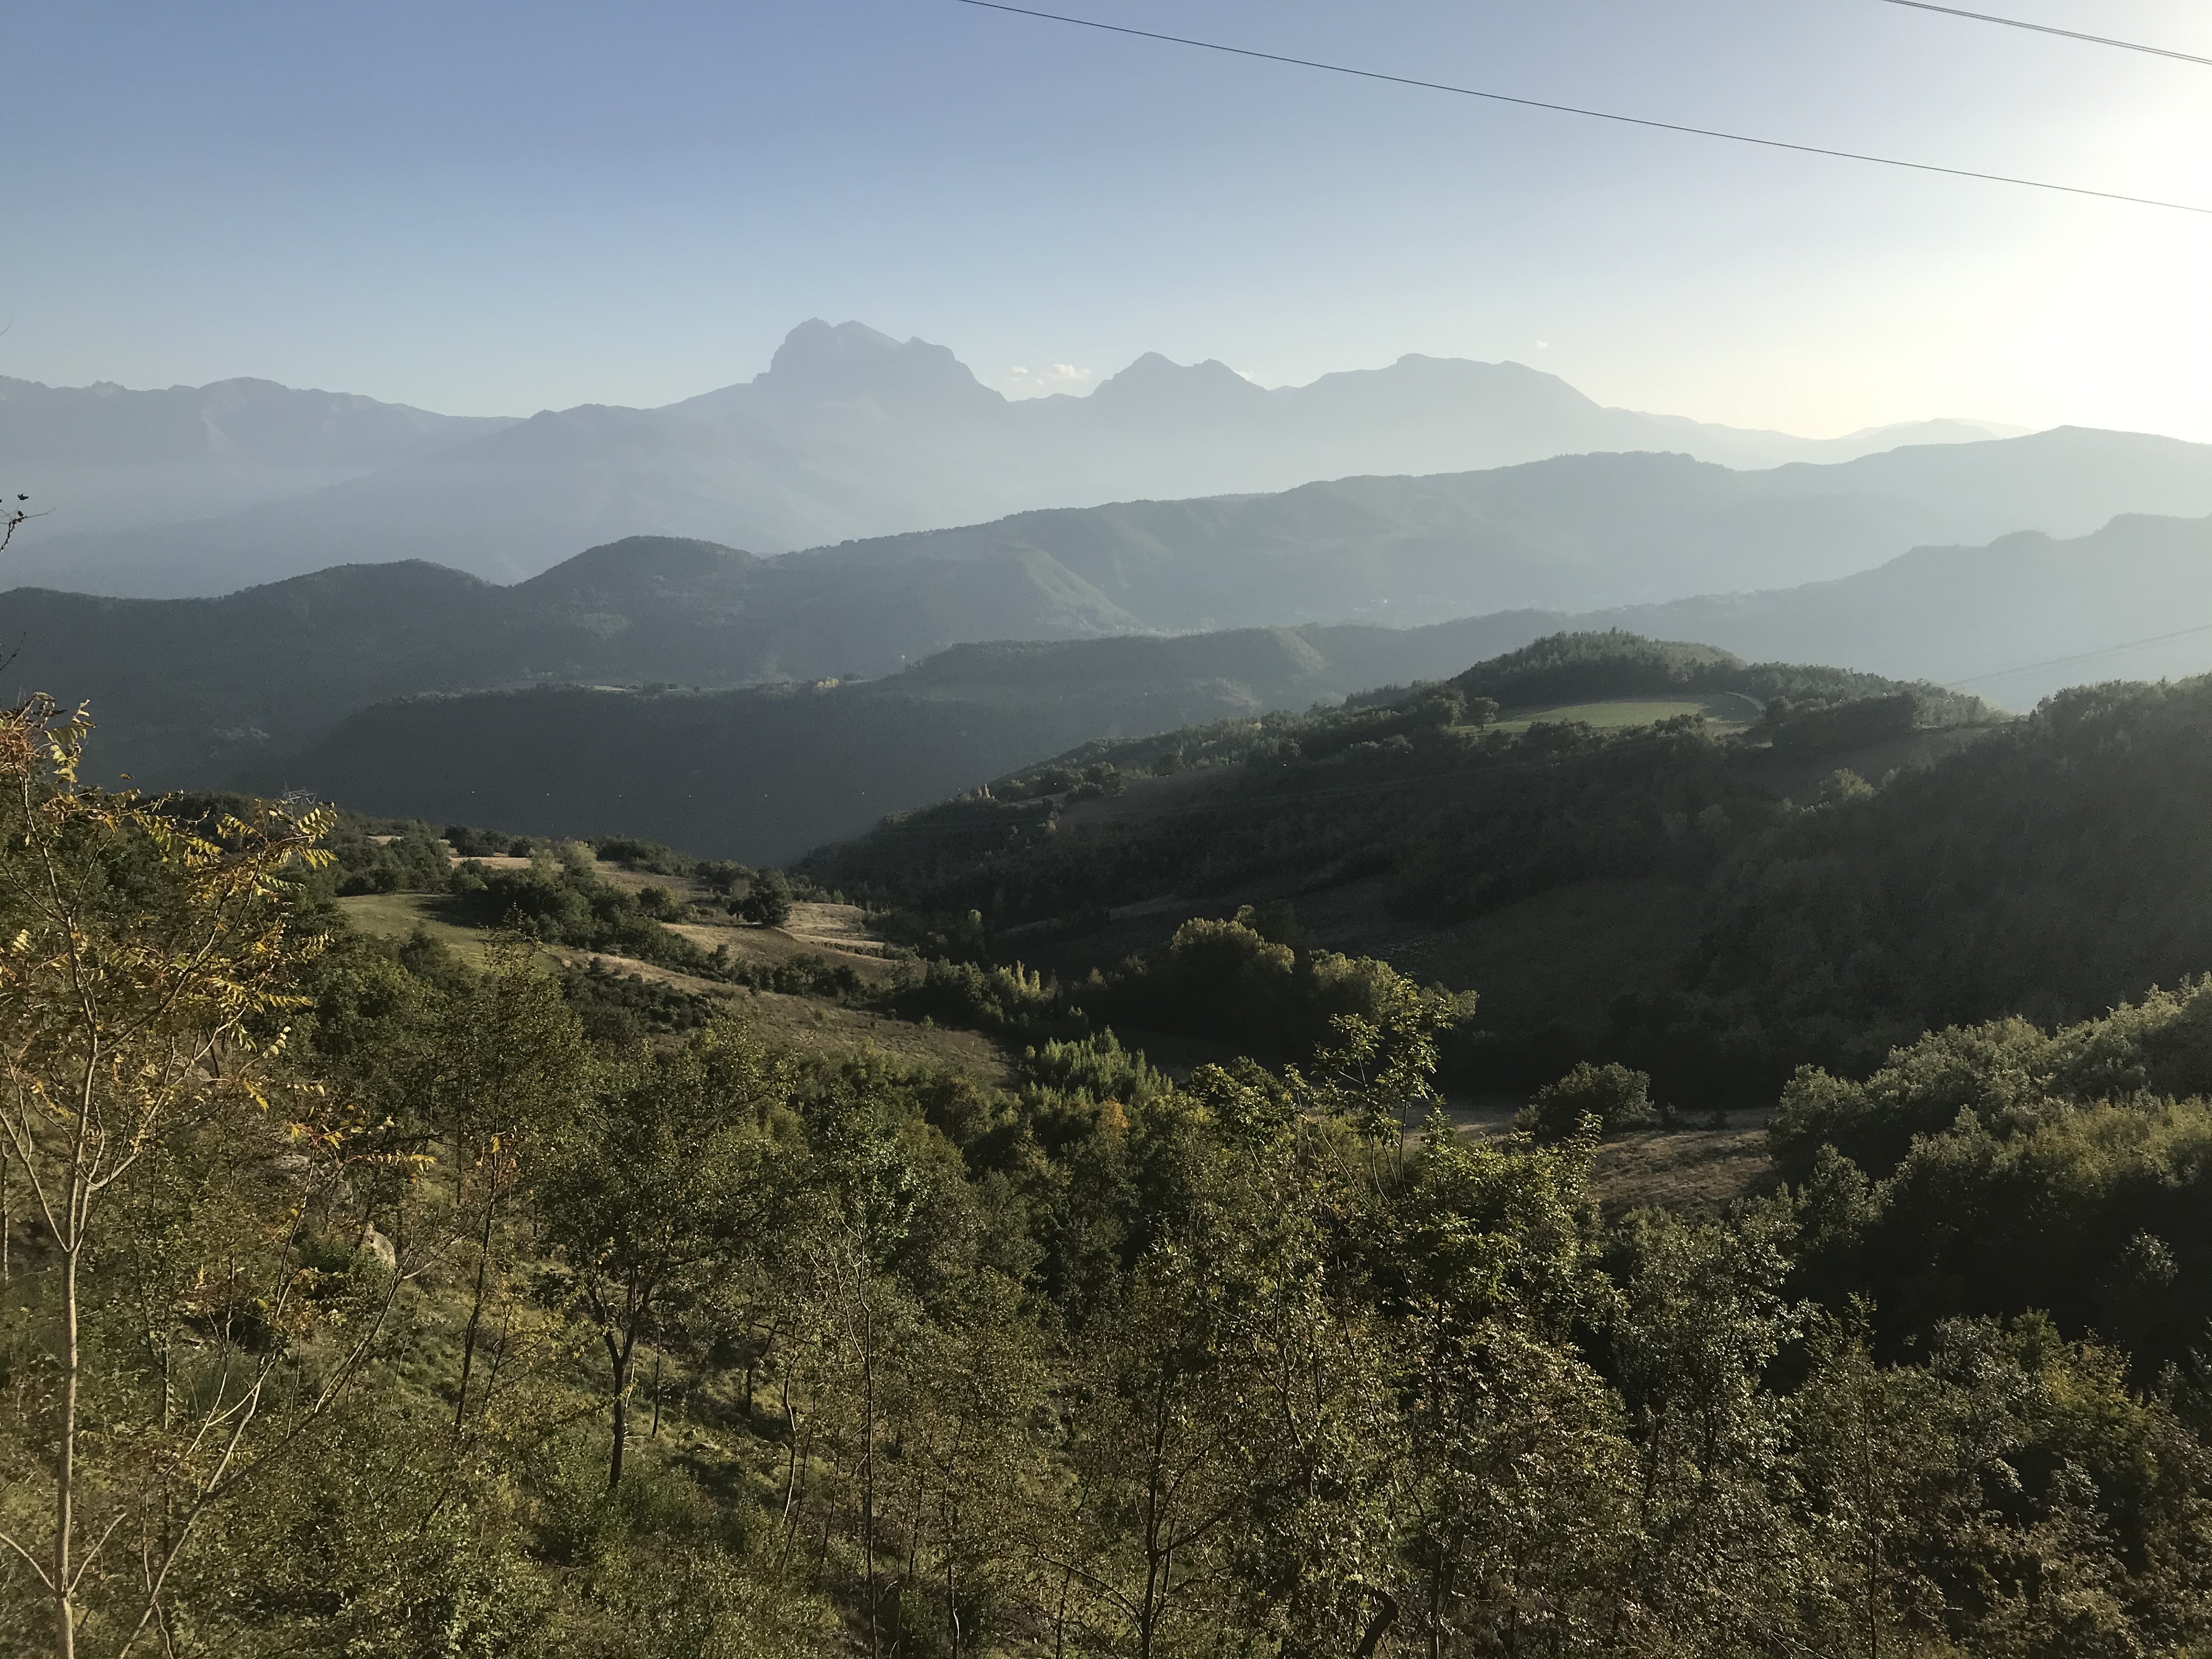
point(1724, 710)
point(806, 1024)
point(395, 915)
point(1697, 1172)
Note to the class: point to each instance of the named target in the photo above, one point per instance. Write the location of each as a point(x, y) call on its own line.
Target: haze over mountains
point(396, 681)
point(277, 664)
point(103, 458)
point(190, 690)
point(2016, 620)
point(1573, 533)
point(847, 433)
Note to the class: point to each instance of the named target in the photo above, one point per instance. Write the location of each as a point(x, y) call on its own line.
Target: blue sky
point(489, 207)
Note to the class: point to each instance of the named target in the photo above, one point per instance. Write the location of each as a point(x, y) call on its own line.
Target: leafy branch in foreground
point(145, 983)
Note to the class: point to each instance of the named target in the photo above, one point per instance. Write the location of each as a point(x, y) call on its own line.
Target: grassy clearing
point(805, 1024)
point(802, 1024)
point(813, 1025)
point(1721, 709)
point(776, 946)
point(395, 915)
point(1691, 1171)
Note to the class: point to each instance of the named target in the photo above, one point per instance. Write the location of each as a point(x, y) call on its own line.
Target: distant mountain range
point(849, 434)
point(1572, 533)
point(104, 458)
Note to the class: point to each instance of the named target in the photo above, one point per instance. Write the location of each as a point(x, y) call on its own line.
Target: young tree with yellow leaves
point(145, 970)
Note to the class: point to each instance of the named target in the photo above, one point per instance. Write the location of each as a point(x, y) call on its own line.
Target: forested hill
point(1859, 862)
point(766, 774)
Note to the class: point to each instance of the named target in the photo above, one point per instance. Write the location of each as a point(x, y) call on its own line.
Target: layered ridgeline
point(2015, 620)
point(848, 432)
point(255, 685)
point(192, 691)
point(1717, 892)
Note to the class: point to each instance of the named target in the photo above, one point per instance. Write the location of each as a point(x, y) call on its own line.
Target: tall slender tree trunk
point(476, 1305)
point(1149, 1609)
point(65, 1474)
point(618, 1353)
point(868, 1469)
point(791, 1452)
point(952, 1575)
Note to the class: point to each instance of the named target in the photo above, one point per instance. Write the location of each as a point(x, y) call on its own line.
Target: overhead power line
point(2082, 656)
point(2045, 29)
point(1574, 109)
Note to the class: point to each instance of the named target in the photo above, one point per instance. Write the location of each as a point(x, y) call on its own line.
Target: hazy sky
point(495, 208)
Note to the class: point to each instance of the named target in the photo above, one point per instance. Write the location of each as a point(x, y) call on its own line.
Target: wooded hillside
point(442, 1325)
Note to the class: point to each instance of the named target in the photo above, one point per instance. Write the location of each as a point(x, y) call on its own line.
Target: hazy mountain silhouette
point(849, 433)
point(1570, 533)
point(102, 458)
point(2015, 620)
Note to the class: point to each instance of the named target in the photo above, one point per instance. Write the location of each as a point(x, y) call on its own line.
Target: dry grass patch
point(810, 1025)
point(1690, 1171)
point(774, 947)
point(396, 916)
point(1725, 711)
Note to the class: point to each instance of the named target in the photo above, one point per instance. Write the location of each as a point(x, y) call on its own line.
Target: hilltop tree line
point(358, 1302)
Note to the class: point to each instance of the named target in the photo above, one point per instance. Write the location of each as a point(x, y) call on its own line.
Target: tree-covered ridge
point(1565, 669)
point(1856, 878)
point(421, 1324)
point(1443, 722)
point(1442, 819)
point(2051, 870)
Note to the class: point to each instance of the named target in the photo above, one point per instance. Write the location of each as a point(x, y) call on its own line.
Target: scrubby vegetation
point(1600, 1100)
point(367, 1298)
point(363, 1301)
